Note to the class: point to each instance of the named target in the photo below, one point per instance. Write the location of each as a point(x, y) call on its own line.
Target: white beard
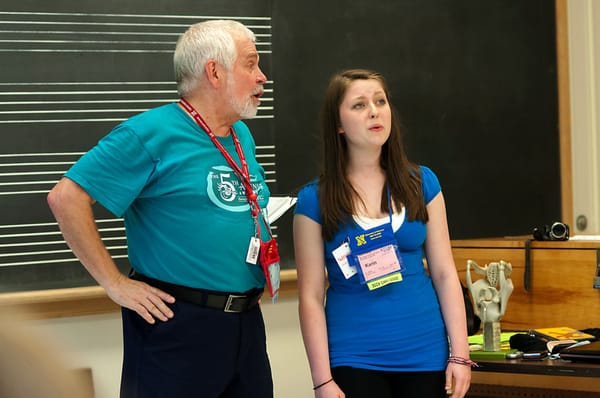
point(243, 107)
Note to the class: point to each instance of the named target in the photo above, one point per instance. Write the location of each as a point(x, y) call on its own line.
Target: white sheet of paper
point(585, 237)
point(278, 205)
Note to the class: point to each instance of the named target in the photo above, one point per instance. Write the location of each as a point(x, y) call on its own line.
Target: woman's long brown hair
point(337, 197)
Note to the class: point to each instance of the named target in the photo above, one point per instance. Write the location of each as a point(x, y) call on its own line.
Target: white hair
point(204, 41)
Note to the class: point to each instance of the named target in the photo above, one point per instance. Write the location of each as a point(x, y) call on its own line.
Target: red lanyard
point(242, 173)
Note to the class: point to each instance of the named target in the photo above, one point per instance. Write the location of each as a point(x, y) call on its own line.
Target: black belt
point(227, 302)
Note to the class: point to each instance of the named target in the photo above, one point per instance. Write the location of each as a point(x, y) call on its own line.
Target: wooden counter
point(534, 379)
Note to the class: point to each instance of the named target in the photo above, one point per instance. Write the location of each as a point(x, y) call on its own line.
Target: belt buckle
point(230, 300)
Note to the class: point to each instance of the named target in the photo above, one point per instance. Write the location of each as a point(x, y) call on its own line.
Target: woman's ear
point(341, 130)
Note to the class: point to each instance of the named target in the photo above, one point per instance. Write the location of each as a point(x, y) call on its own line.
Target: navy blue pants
point(200, 352)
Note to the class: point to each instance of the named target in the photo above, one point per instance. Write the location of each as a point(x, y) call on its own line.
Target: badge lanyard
point(269, 255)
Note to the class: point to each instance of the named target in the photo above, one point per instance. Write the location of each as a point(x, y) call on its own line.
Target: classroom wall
point(584, 81)
point(95, 341)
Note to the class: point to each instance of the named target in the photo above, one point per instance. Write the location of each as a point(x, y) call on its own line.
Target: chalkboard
point(71, 71)
point(475, 83)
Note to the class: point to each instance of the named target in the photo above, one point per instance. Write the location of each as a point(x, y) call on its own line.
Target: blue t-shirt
point(397, 327)
point(186, 214)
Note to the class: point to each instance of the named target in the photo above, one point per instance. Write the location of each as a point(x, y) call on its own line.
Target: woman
point(391, 327)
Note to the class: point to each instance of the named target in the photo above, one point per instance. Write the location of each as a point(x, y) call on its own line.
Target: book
point(476, 351)
point(562, 333)
point(502, 354)
point(477, 339)
point(556, 346)
point(278, 205)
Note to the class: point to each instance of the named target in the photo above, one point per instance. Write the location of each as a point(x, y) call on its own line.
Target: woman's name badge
point(375, 255)
point(341, 257)
point(380, 267)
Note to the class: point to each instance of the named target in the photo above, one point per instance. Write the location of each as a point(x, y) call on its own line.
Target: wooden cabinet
point(534, 379)
point(562, 289)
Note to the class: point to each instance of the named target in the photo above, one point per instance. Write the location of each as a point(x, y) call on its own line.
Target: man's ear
point(213, 72)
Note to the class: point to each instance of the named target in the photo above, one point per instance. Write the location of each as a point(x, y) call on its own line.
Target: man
point(185, 179)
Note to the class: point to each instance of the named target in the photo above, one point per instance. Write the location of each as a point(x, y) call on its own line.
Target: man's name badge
point(253, 250)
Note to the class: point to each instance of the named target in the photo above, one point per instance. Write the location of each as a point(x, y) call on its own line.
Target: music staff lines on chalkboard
point(36, 173)
point(113, 33)
point(59, 102)
point(32, 244)
point(68, 79)
point(32, 175)
point(23, 174)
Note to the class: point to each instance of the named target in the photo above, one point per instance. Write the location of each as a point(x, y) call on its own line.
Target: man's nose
point(262, 78)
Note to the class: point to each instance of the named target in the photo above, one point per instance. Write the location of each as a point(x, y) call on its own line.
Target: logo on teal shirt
point(227, 191)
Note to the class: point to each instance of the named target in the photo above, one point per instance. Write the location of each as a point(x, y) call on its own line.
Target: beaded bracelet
point(322, 384)
point(462, 361)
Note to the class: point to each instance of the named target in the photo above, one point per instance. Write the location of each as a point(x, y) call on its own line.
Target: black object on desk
point(517, 378)
point(556, 367)
point(583, 353)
